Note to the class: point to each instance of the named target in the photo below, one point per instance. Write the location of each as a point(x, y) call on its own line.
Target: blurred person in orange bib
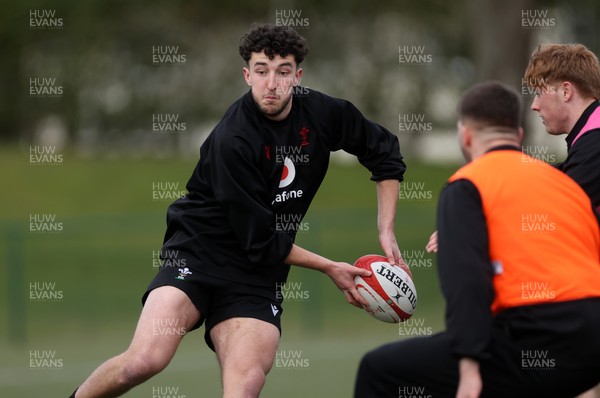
point(519, 268)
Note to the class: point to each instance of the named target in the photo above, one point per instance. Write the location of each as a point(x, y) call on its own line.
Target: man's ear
point(298, 77)
point(465, 135)
point(520, 133)
point(568, 91)
point(465, 140)
point(246, 72)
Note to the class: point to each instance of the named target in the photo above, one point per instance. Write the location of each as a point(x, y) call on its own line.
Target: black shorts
point(219, 299)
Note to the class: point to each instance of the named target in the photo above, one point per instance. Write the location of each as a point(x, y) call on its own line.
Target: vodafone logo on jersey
point(288, 174)
point(287, 177)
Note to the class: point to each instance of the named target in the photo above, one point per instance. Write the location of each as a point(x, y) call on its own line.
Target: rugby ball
point(390, 290)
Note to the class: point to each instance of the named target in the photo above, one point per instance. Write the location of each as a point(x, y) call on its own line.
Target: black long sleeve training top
point(257, 177)
point(583, 158)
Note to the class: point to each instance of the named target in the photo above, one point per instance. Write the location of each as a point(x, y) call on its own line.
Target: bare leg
point(246, 350)
point(593, 393)
point(168, 313)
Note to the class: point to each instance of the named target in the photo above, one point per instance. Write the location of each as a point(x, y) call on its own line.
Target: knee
point(247, 381)
point(139, 367)
point(374, 378)
point(364, 384)
point(369, 364)
point(254, 378)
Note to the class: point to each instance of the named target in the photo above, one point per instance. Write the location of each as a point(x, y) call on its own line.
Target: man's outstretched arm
point(341, 273)
point(387, 200)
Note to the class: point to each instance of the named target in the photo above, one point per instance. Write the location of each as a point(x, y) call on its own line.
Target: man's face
point(272, 82)
point(549, 104)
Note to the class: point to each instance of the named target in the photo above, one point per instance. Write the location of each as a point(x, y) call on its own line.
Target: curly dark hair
point(273, 40)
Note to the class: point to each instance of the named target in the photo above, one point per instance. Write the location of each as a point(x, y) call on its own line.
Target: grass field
point(94, 270)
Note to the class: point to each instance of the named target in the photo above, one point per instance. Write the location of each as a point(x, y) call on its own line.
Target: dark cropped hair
point(492, 104)
point(273, 40)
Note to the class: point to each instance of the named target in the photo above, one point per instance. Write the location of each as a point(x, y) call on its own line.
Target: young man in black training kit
point(566, 78)
point(259, 168)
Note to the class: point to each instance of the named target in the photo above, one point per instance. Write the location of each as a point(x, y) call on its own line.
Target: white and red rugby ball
point(390, 290)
